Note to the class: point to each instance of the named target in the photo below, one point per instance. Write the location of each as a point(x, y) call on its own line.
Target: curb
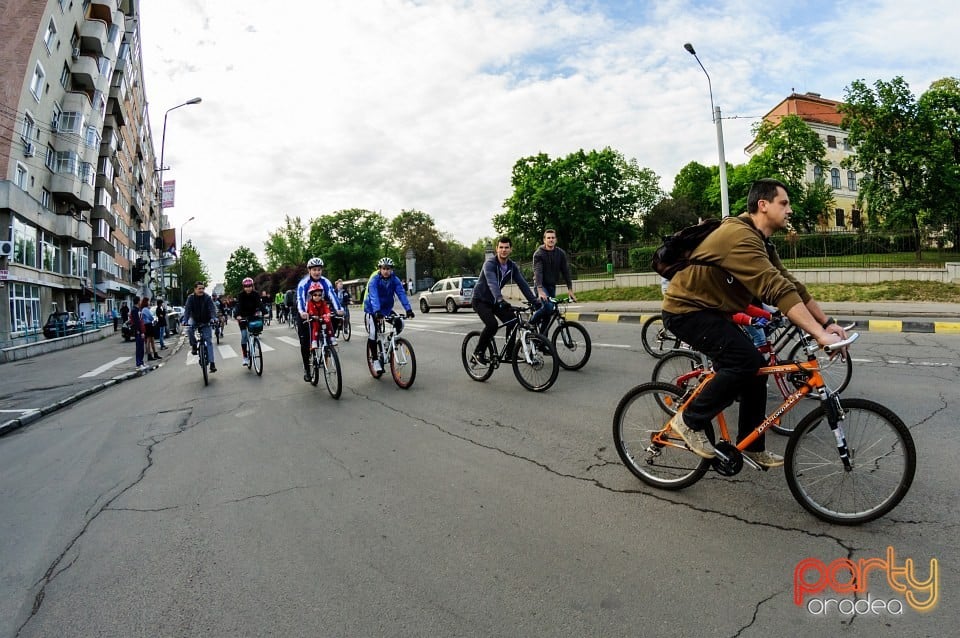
point(868, 325)
point(37, 413)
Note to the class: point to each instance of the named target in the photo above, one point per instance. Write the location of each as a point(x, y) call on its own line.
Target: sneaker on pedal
point(696, 440)
point(377, 367)
point(246, 361)
point(765, 458)
point(213, 368)
point(314, 345)
point(480, 358)
point(193, 350)
point(333, 341)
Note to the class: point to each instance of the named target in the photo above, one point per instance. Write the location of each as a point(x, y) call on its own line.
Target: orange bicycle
point(847, 462)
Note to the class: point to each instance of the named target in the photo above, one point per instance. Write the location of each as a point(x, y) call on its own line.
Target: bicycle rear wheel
point(332, 375)
point(256, 356)
point(656, 339)
point(571, 344)
point(539, 373)
point(347, 331)
point(477, 371)
point(883, 461)
point(656, 458)
point(681, 368)
point(403, 363)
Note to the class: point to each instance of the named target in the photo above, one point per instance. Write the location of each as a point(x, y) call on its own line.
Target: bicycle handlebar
point(840, 345)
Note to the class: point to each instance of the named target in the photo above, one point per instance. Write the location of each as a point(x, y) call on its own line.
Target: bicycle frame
point(516, 328)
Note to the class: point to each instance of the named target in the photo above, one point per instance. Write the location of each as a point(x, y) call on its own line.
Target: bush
point(640, 258)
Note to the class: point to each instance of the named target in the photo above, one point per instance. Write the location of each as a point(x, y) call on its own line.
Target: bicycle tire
point(836, 372)
point(656, 339)
point(256, 356)
point(332, 374)
point(882, 454)
point(674, 365)
point(314, 367)
point(541, 372)
point(346, 330)
point(476, 371)
point(373, 371)
point(403, 363)
point(571, 345)
point(640, 415)
point(203, 361)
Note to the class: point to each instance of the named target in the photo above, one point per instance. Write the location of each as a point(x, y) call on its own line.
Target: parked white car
point(453, 293)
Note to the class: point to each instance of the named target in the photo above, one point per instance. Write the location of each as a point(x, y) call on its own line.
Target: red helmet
point(315, 287)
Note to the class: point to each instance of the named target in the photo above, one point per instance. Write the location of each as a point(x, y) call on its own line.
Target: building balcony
point(80, 233)
point(85, 73)
point(93, 36)
point(104, 8)
point(70, 188)
point(104, 213)
point(103, 245)
point(78, 101)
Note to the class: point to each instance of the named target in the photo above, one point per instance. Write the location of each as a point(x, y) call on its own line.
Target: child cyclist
point(317, 307)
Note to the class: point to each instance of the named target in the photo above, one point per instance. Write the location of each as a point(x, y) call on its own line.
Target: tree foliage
point(349, 241)
point(591, 199)
point(287, 246)
point(690, 190)
point(242, 263)
point(192, 269)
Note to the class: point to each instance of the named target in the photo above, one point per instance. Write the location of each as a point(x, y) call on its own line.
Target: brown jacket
point(744, 266)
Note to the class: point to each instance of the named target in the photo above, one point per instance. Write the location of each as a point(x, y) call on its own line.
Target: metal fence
point(831, 249)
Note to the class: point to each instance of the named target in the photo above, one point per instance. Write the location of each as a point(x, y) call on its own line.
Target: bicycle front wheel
point(836, 371)
point(203, 361)
point(656, 457)
point(403, 363)
point(478, 371)
point(256, 356)
point(346, 330)
point(537, 368)
point(571, 344)
point(656, 339)
point(315, 367)
point(331, 372)
point(883, 461)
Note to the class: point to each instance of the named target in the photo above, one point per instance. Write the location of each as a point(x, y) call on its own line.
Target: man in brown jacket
point(734, 265)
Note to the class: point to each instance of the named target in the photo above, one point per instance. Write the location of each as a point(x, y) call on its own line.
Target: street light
point(430, 250)
point(163, 147)
point(180, 259)
point(715, 111)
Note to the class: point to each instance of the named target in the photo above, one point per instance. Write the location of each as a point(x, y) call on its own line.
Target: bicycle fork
point(835, 415)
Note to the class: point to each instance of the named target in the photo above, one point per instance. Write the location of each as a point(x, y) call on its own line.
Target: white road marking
point(104, 367)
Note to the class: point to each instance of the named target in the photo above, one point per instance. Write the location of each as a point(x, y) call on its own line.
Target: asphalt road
point(261, 506)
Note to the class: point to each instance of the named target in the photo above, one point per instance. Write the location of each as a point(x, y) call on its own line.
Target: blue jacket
point(329, 293)
point(380, 292)
point(493, 278)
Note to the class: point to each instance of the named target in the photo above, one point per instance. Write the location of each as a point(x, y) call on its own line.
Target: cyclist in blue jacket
point(378, 301)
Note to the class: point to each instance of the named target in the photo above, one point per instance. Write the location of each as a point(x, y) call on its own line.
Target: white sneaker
point(314, 345)
point(333, 341)
point(246, 361)
point(696, 440)
point(376, 366)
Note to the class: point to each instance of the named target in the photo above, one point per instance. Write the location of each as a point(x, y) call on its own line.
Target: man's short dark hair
point(765, 189)
point(200, 283)
point(549, 230)
point(505, 239)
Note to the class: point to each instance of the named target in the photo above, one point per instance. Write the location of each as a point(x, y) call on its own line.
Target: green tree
point(691, 187)
point(191, 269)
point(242, 263)
point(416, 230)
point(668, 216)
point(592, 199)
point(349, 241)
point(287, 246)
point(939, 108)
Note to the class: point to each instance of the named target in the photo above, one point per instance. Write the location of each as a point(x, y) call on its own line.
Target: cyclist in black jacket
point(488, 301)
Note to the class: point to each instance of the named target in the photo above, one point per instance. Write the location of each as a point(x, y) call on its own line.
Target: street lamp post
point(715, 111)
point(180, 259)
point(163, 147)
point(430, 249)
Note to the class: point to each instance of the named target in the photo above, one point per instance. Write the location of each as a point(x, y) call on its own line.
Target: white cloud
point(311, 107)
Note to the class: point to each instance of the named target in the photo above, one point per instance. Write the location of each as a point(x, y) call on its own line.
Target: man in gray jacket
point(549, 265)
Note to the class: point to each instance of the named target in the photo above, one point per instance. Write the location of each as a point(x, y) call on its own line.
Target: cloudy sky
point(314, 106)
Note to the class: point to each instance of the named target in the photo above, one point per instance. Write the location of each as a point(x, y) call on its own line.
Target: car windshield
point(469, 283)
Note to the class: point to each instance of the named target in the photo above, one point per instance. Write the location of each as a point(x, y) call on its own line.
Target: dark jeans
point(736, 361)
point(303, 331)
point(489, 314)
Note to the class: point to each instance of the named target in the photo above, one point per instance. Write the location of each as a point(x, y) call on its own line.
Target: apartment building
point(823, 116)
point(79, 197)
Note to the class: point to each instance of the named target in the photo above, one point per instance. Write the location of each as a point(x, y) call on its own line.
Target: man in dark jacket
point(488, 301)
point(549, 265)
point(199, 310)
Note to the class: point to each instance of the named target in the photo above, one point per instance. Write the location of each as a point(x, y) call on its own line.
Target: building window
point(28, 129)
point(846, 144)
point(50, 35)
point(51, 159)
point(66, 162)
point(24, 308)
point(841, 220)
point(817, 173)
point(835, 177)
point(48, 251)
point(36, 82)
point(45, 198)
point(855, 220)
point(24, 243)
point(832, 141)
point(851, 180)
point(21, 177)
point(70, 122)
point(65, 76)
point(92, 138)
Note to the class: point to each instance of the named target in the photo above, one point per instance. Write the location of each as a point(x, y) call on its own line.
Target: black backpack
point(673, 255)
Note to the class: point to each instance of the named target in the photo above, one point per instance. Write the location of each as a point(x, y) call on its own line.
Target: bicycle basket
point(255, 326)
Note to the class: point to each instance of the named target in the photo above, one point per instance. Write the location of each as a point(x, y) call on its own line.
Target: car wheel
point(451, 305)
point(424, 306)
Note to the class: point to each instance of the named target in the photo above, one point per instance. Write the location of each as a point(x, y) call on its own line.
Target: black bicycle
point(656, 339)
point(202, 345)
point(341, 325)
point(325, 360)
point(569, 339)
point(534, 363)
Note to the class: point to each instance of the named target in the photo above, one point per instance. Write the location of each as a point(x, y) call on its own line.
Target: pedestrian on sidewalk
point(161, 315)
point(116, 319)
point(149, 322)
point(136, 327)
